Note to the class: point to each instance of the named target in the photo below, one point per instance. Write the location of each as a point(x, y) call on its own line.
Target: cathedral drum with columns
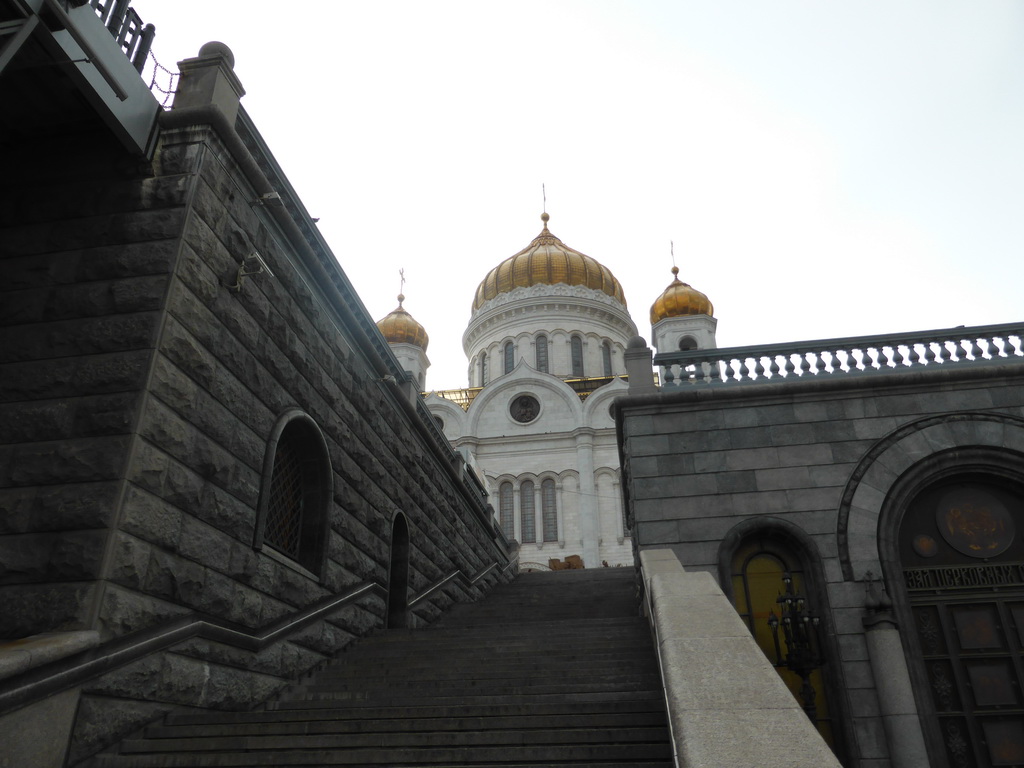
point(545, 344)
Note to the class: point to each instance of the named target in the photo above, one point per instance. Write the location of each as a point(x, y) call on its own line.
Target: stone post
point(209, 80)
point(892, 680)
point(640, 367)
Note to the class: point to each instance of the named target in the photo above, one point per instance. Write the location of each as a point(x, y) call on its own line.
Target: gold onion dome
point(680, 300)
point(400, 328)
point(547, 261)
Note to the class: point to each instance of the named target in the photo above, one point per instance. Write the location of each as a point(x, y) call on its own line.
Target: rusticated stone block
point(231, 688)
point(51, 556)
point(151, 518)
point(30, 609)
point(129, 561)
point(124, 611)
point(55, 419)
point(285, 660)
point(97, 335)
point(92, 299)
point(103, 721)
point(66, 461)
point(57, 507)
point(324, 638)
point(74, 376)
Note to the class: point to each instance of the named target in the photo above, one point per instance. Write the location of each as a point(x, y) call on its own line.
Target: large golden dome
point(400, 328)
point(547, 261)
point(679, 300)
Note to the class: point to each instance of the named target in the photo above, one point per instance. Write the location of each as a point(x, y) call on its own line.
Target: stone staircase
point(551, 669)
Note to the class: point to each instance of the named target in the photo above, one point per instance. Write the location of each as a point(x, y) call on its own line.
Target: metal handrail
point(75, 670)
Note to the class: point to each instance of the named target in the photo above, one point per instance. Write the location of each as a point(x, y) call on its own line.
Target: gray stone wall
point(705, 461)
point(137, 398)
point(86, 255)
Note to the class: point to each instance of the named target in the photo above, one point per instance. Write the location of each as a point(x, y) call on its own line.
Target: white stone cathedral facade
point(545, 344)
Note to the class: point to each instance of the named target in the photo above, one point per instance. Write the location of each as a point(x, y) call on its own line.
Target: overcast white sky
point(824, 168)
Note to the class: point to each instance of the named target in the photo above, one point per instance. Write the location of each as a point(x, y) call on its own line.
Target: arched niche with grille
point(753, 560)
point(293, 516)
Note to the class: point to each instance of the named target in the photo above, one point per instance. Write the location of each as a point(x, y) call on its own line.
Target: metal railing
point(844, 356)
point(134, 38)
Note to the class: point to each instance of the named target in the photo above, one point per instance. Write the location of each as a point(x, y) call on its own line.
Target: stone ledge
point(17, 656)
point(727, 706)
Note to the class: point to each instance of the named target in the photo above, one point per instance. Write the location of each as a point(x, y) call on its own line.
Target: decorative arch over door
point(961, 555)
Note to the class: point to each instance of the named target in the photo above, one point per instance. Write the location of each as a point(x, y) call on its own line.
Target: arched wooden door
point(962, 553)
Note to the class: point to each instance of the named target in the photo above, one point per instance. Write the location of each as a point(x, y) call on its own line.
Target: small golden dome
point(680, 300)
point(400, 328)
point(547, 261)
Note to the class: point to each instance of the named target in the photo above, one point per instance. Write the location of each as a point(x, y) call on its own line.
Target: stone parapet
point(727, 706)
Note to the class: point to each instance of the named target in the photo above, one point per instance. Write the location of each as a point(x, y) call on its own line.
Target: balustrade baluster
point(856, 360)
point(929, 353)
point(912, 355)
point(805, 364)
point(897, 356)
point(883, 359)
point(789, 367)
point(820, 366)
point(744, 370)
point(698, 371)
point(758, 368)
point(669, 376)
point(773, 365)
point(839, 358)
point(976, 349)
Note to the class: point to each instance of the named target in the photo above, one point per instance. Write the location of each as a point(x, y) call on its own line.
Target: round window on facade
point(524, 409)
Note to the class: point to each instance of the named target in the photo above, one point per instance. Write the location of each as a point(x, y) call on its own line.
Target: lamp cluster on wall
point(800, 626)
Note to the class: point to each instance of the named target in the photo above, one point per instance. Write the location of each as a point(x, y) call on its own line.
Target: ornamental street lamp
point(803, 644)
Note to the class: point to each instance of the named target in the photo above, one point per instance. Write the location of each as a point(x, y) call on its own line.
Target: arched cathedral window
point(527, 513)
point(483, 368)
point(542, 354)
point(576, 347)
point(606, 358)
point(549, 510)
point(509, 353)
point(506, 515)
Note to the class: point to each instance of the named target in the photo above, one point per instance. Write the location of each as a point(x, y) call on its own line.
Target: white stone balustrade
point(843, 356)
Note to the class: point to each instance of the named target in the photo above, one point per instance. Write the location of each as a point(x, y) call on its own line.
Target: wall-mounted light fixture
point(269, 199)
point(251, 265)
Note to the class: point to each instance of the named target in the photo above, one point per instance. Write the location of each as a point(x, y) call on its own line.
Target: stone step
point(553, 669)
point(297, 713)
point(354, 699)
point(456, 688)
point(544, 754)
point(410, 725)
point(525, 669)
point(401, 739)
